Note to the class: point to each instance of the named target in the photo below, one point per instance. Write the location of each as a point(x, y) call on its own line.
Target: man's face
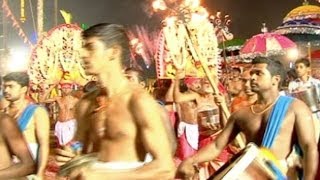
point(95, 56)
point(195, 85)
point(302, 70)
point(66, 90)
point(132, 77)
point(234, 75)
point(260, 77)
point(246, 80)
point(206, 86)
point(234, 86)
point(13, 91)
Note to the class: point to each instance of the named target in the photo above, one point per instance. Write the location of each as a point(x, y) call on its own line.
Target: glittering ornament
point(57, 57)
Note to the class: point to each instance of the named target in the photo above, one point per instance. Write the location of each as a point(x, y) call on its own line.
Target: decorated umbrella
point(302, 25)
point(266, 44)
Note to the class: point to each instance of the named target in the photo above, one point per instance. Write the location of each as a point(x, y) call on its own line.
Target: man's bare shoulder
point(4, 117)
point(141, 98)
point(241, 114)
point(299, 106)
point(242, 111)
point(138, 92)
point(4, 120)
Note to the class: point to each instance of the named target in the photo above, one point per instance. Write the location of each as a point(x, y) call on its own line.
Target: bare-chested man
point(13, 143)
point(297, 127)
point(66, 124)
point(33, 120)
point(124, 122)
point(187, 131)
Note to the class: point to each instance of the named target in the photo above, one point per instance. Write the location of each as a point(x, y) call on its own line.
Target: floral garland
point(57, 57)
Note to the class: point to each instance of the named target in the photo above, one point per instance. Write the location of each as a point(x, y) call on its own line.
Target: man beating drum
point(306, 88)
point(291, 120)
point(120, 121)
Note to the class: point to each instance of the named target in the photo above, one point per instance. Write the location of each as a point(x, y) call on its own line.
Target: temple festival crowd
point(183, 128)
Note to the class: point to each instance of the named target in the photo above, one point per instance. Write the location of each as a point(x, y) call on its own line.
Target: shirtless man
point(297, 127)
point(124, 124)
point(32, 120)
point(12, 143)
point(66, 125)
point(187, 131)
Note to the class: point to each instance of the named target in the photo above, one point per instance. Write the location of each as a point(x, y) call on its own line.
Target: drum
point(80, 161)
point(249, 164)
point(308, 96)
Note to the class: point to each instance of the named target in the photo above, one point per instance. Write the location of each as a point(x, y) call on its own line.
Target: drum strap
point(275, 120)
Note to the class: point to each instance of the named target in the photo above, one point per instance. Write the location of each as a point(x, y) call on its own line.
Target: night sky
point(246, 15)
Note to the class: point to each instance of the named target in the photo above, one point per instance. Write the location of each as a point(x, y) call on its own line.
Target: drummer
point(304, 81)
point(267, 75)
point(122, 120)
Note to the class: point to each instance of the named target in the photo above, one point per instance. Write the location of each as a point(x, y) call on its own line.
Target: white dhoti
point(115, 166)
point(65, 131)
point(191, 132)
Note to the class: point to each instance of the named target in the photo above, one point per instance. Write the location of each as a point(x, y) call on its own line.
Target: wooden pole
point(55, 12)
point(40, 18)
point(213, 84)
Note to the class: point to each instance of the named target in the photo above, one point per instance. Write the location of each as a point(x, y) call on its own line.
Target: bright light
point(159, 5)
point(293, 54)
point(18, 60)
point(192, 3)
point(170, 20)
point(201, 15)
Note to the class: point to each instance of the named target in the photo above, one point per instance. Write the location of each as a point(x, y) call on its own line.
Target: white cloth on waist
point(116, 166)
point(192, 133)
point(65, 131)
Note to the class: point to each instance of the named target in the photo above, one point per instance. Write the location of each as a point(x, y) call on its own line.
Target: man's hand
point(64, 155)
point(219, 99)
point(180, 74)
point(186, 169)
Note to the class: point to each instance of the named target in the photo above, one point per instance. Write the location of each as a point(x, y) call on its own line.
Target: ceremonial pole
point(40, 18)
point(55, 13)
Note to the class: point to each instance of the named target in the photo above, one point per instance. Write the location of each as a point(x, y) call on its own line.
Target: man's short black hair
point(22, 78)
point(110, 35)
point(275, 67)
point(304, 61)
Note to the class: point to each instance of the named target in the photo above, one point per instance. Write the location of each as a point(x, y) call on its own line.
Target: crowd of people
point(179, 131)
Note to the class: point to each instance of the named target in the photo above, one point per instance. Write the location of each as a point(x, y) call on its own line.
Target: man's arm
point(211, 151)
point(64, 155)
point(182, 97)
point(18, 147)
point(81, 114)
point(42, 123)
point(305, 131)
